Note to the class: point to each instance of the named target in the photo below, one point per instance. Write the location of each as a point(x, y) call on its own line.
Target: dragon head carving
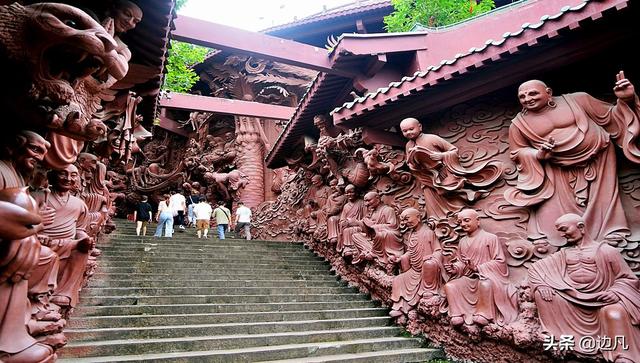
point(56, 60)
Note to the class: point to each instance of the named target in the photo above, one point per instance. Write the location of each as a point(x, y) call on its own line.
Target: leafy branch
point(433, 13)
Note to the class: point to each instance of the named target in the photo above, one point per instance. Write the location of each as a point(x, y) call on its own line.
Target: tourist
point(202, 211)
point(142, 215)
point(178, 205)
point(223, 217)
point(164, 218)
point(191, 202)
point(243, 220)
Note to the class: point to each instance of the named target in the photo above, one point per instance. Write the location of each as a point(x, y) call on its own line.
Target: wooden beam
point(171, 125)
point(226, 106)
point(238, 41)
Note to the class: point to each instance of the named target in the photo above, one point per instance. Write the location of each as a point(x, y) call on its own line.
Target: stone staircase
point(195, 300)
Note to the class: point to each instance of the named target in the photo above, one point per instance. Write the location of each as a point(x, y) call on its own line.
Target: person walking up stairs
point(202, 211)
point(223, 217)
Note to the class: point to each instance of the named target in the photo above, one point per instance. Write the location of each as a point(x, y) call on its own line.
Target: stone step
point(191, 330)
point(181, 254)
point(194, 271)
point(207, 244)
point(216, 308)
point(163, 253)
point(217, 283)
point(396, 356)
point(274, 352)
point(192, 240)
point(116, 321)
point(170, 290)
point(218, 299)
point(209, 261)
point(233, 275)
point(192, 300)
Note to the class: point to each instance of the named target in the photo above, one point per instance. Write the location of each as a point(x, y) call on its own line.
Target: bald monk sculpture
point(378, 238)
point(332, 210)
point(479, 291)
point(445, 182)
point(421, 244)
point(66, 235)
point(352, 211)
point(587, 289)
point(21, 247)
point(563, 148)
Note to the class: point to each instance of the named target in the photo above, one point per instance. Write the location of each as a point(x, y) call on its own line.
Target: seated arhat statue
point(479, 291)
point(587, 290)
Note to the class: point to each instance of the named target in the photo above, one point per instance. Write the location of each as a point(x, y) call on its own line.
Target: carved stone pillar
point(250, 144)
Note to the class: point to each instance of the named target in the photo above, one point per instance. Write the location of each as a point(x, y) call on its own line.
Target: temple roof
point(486, 39)
point(315, 28)
point(442, 56)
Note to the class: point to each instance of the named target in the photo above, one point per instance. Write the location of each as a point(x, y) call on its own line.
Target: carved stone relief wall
point(437, 232)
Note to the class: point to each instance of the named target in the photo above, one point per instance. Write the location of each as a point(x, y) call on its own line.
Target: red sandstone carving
point(22, 251)
point(421, 272)
point(479, 290)
point(587, 290)
point(566, 160)
point(377, 236)
point(67, 235)
point(446, 183)
point(69, 62)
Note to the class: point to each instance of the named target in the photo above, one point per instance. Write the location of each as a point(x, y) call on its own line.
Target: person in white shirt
point(178, 205)
point(243, 220)
point(164, 217)
point(202, 211)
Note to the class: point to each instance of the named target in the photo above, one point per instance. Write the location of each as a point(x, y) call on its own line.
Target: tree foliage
point(433, 13)
point(180, 4)
point(182, 56)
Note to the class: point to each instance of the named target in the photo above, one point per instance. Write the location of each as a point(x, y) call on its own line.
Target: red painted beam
point(226, 106)
point(171, 125)
point(222, 37)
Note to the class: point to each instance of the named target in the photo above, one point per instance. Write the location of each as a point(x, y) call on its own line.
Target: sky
point(255, 15)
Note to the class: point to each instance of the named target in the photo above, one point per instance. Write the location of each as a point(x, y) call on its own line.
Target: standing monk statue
point(563, 149)
point(421, 244)
point(588, 290)
point(447, 185)
point(479, 291)
point(352, 212)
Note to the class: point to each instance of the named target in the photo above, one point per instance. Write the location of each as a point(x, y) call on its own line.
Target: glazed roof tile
point(356, 7)
point(547, 25)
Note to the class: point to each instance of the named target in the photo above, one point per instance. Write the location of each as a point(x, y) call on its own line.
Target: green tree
point(180, 4)
point(182, 56)
point(433, 13)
